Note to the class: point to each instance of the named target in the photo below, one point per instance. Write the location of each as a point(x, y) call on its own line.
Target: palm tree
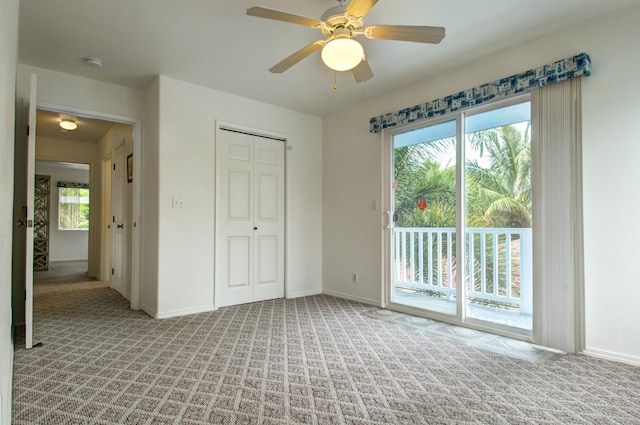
point(420, 173)
point(499, 194)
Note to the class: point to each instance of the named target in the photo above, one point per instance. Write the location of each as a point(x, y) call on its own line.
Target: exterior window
point(73, 208)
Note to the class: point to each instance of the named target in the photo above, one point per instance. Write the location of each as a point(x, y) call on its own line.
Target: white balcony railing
point(499, 264)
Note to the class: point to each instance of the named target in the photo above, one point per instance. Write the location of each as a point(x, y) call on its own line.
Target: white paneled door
point(249, 264)
point(117, 219)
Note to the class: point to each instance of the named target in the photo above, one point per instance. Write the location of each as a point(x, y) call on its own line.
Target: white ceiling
point(83, 169)
point(214, 44)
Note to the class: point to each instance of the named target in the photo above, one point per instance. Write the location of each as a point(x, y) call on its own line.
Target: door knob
point(255, 228)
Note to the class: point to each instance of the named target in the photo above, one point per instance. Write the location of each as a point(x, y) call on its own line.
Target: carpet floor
point(312, 360)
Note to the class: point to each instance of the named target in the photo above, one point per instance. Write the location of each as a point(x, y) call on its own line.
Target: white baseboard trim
point(609, 355)
point(184, 312)
point(63, 260)
point(300, 294)
point(151, 312)
point(351, 297)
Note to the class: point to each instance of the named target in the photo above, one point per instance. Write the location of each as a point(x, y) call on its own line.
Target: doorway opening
point(62, 214)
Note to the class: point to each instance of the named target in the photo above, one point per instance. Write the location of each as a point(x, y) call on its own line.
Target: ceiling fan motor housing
point(337, 17)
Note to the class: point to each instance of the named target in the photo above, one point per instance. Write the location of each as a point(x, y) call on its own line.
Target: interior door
point(249, 254)
point(106, 220)
point(30, 169)
point(117, 219)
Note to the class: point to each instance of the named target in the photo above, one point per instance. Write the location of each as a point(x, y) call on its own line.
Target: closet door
point(249, 255)
point(268, 219)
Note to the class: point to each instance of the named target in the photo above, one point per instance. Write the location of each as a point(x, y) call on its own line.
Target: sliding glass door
point(424, 212)
point(460, 228)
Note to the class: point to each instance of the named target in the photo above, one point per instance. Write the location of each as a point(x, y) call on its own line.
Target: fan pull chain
point(335, 80)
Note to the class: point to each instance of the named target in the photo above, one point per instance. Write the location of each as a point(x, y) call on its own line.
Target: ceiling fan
point(340, 25)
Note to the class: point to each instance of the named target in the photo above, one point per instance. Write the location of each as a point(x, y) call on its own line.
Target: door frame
point(459, 318)
point(137, 150)
point(387, 239)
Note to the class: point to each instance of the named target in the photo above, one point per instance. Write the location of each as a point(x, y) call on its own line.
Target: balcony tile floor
point(475, 311)
point(483, 340)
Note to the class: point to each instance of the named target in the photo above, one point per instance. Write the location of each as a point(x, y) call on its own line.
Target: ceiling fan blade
point(262, 12)
point(362, 72)
point(418, 34)
point(359, 8)
point(297, 57)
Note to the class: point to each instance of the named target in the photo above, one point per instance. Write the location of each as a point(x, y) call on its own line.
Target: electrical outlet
point(355, 277)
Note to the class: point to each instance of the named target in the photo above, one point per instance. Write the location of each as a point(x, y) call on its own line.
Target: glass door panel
point(423, 191)
point(498, 216)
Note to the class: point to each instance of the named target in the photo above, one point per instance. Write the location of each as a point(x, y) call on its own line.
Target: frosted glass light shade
point(68, 125)
point(342, 54)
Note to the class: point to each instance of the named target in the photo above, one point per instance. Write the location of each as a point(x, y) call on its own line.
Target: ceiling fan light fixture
point(68, 124)
point(342, 54)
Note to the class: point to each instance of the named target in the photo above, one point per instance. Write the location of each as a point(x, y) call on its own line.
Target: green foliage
point(73, 209)
point(419, 174)
point(498, 181)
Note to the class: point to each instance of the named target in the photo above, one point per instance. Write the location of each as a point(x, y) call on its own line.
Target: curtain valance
point(544, 75)
point(73, 185)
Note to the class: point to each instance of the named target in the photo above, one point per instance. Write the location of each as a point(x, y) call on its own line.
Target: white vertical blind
point(557, 216)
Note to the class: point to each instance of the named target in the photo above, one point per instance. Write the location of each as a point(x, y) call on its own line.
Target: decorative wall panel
point(41, 223)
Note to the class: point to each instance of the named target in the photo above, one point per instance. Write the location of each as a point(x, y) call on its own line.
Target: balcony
point(498, 274)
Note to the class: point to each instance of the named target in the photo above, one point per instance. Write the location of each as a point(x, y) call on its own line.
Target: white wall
point(352, 236)
point(65, 90)
point(186, 144)
point(9, 49)
point(64, 245)
point(149, 225)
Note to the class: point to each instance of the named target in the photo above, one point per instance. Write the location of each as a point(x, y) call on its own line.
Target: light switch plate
point(177, 202)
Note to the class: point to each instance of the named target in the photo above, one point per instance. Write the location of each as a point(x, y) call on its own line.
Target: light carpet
point(312, 360)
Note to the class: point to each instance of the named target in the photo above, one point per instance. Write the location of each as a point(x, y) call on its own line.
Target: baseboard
point(351, 297)
point(609, 355)
point(150, 311)
point(184, 312)
point(6, 403)
point(63, 260)
point(300, 294)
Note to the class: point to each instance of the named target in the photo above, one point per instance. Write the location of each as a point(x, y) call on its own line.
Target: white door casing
point(134, 247)
point(249, 255)
point(117, 219)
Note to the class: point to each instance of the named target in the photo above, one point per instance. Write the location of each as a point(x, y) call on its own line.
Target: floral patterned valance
point(548, 74)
